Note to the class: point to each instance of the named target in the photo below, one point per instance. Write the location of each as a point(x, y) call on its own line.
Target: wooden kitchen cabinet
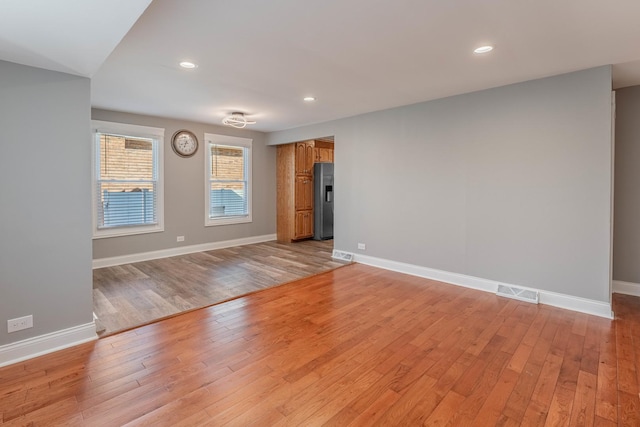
point(290, 191)
point(324, 155)
point(294, 172)
point(304, 193)
point(305, 157)
point(304, 224)
point(323, 151)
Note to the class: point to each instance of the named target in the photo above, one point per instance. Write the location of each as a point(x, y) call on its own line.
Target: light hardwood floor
point(131, 295)
point(354, 346)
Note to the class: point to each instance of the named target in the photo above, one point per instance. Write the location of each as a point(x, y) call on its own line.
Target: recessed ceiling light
point(187, 64)
point(309, 98)
point(483, 49)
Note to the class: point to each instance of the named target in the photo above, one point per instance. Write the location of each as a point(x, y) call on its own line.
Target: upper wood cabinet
point(324, 155)
point(323, 151)
point(305, 157)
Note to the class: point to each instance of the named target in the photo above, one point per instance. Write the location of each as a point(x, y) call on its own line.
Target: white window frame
point(157, 134)
point(234, 141)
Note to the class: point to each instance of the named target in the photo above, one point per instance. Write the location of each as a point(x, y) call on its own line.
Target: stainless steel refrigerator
point(323, 201)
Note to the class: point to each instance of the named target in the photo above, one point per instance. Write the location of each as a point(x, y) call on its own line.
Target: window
point(227, 179)
point(127, 179)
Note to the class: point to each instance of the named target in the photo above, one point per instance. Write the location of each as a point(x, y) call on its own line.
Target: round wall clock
point(184, 143)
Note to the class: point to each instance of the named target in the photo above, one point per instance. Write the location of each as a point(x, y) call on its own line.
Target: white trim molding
point(124, 129)
point(246, 145)
point(569, 302)
point(627, 288)
point(48, 343)
point(182, 250)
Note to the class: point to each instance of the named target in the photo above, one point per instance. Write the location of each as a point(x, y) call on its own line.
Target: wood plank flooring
point(131, 295)
point(354, 346)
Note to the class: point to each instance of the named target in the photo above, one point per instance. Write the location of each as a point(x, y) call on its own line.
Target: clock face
point(184, 143)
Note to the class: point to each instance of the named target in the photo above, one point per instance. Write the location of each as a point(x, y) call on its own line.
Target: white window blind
point(228, 180)
point(127, 183)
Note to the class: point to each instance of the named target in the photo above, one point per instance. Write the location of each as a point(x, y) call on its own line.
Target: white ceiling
point(71, 36)
point(355, 56)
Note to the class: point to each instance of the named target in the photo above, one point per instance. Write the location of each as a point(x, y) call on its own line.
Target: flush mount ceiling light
point(309, 98)
point(237, 120)
point(188, 65)
point(483, 49)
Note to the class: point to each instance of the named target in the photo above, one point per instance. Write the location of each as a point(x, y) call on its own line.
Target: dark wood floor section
point(355, 346)
point(131, 295)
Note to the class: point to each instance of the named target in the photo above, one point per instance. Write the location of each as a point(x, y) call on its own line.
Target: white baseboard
point(182, 250)
point(568, 302)
point(48, 343)
point(627, 288)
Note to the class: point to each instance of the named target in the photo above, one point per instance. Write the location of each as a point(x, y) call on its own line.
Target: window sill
point(227, 221)
point(126, 231)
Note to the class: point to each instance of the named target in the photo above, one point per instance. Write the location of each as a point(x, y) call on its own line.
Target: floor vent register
point(342, 256)
point(518, 293)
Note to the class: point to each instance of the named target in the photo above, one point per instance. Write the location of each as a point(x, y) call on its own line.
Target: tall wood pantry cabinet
point(295, 187)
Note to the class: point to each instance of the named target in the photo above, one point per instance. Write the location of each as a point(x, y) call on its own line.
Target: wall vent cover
point(342, 256)
point(518, 293)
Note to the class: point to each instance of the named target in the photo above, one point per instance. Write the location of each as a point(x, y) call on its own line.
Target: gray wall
point(45, 217)
point(184, 191)
point(510, 184)
point(626, 236)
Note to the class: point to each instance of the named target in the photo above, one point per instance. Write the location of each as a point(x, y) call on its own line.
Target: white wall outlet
point(180, 239)
point(19, 323)
point(362, 246)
